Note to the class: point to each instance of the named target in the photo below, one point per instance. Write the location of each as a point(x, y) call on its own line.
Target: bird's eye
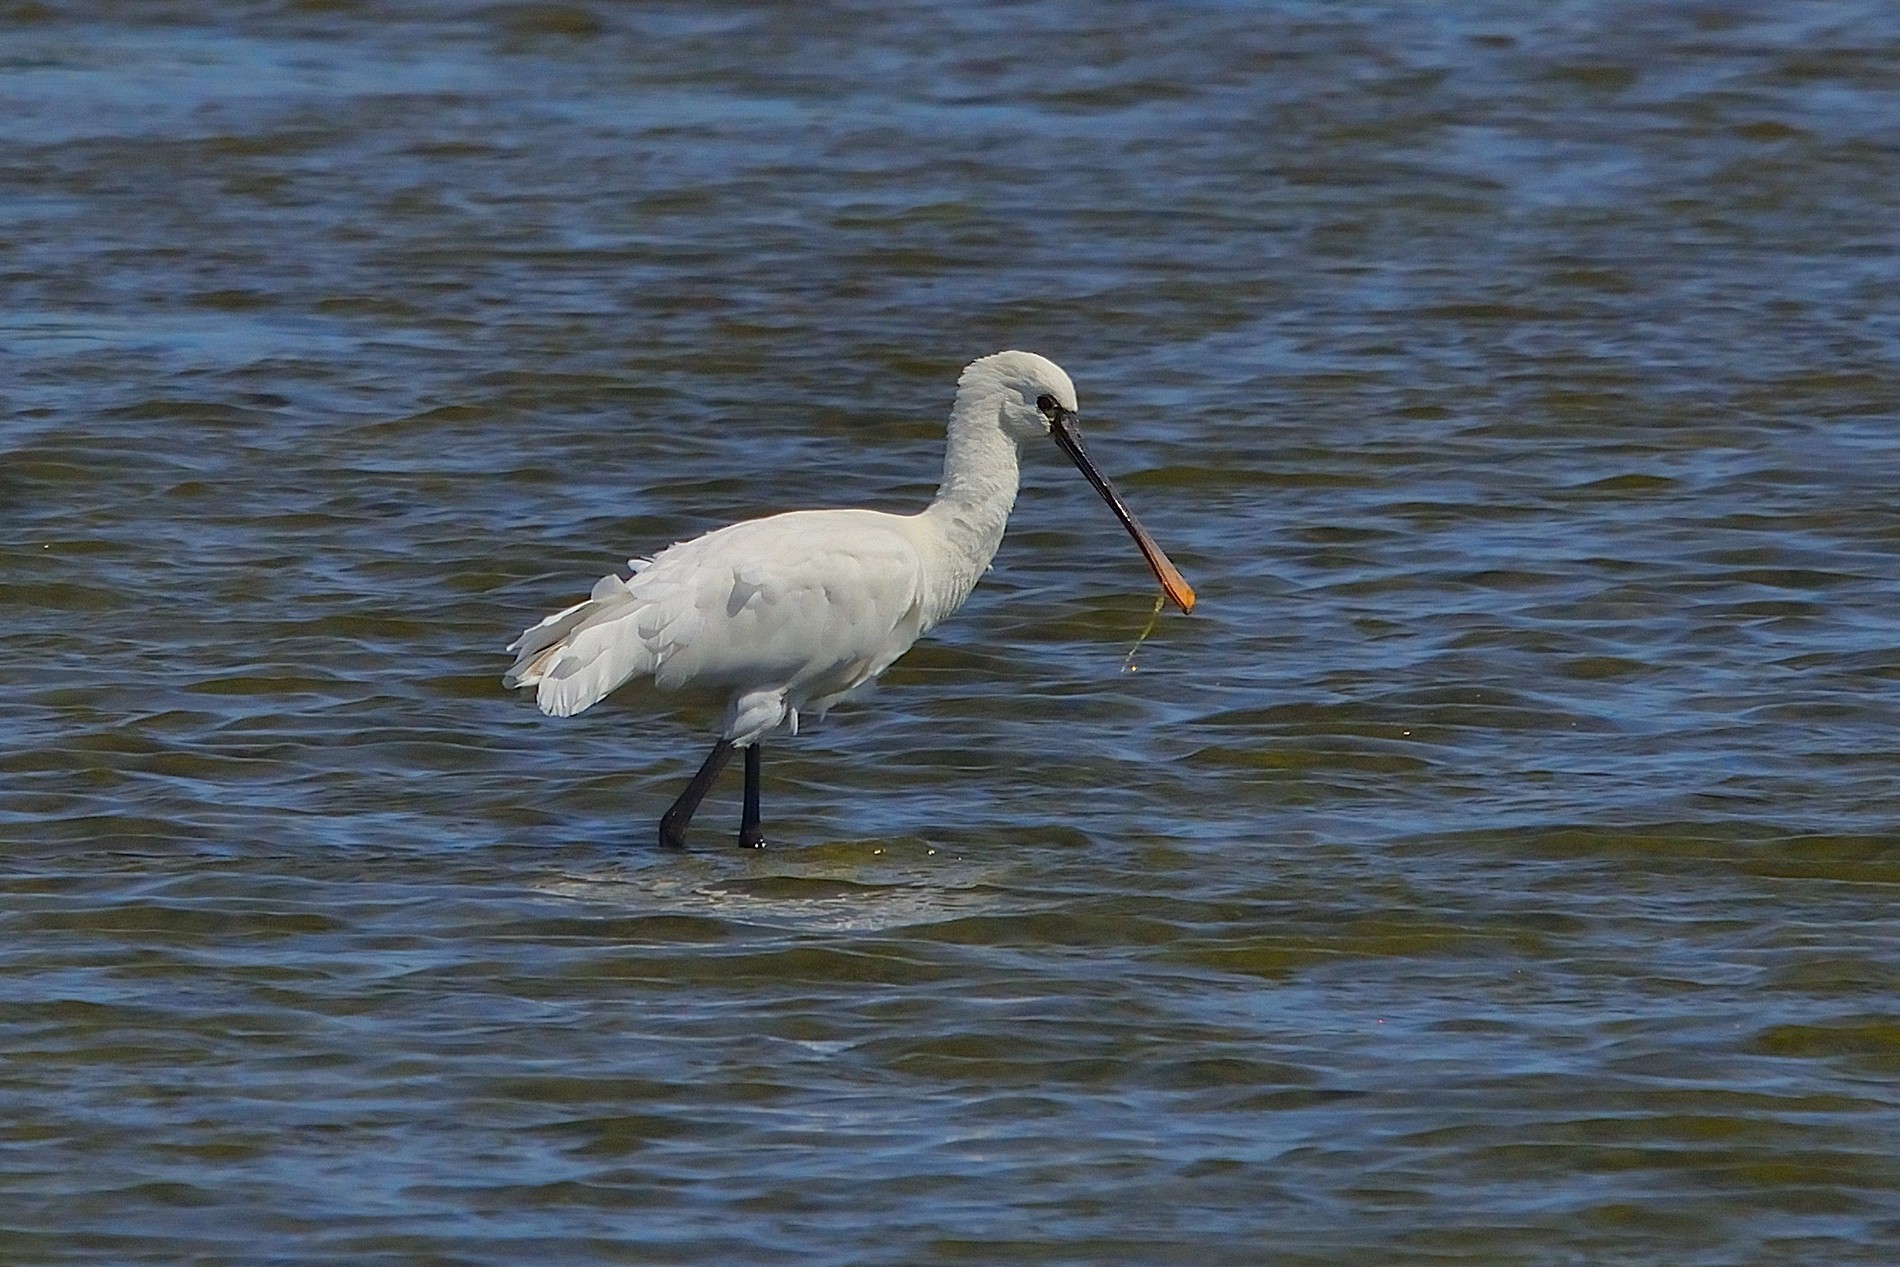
point(1046, 403)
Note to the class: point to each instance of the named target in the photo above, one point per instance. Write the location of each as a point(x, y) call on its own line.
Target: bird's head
point(1036, 398)
point(1032, 392)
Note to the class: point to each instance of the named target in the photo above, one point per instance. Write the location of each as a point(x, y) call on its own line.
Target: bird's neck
point(980, 478)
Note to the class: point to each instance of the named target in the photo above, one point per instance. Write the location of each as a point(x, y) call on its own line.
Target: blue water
point(1495, 868)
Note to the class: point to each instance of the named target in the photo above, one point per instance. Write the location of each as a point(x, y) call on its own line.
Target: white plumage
point(786, 613)
point(791, 613)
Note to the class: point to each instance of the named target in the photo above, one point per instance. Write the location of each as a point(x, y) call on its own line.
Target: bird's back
point(807, 605)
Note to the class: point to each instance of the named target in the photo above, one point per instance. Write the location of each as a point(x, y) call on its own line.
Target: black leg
point(673, 823)
point(750, 836)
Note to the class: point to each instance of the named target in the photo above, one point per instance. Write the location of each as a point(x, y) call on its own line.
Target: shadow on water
point(844, 887)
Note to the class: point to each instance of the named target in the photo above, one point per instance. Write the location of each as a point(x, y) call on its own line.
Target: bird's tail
point(575, 657)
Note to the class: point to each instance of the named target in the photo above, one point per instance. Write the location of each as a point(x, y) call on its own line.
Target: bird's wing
point(812, 600)
point(792, 600)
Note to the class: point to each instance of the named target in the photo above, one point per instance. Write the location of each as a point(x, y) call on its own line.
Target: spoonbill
point(791, 613)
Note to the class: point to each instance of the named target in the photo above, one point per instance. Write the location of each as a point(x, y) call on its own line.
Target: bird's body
point(788, 614)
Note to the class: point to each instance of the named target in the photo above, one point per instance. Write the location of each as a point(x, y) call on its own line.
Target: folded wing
point(807, 605)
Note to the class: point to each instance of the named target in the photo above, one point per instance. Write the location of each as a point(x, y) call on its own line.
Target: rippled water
point(1496, 868)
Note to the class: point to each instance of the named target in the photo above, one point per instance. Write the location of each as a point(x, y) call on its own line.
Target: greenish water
point(1496, 868)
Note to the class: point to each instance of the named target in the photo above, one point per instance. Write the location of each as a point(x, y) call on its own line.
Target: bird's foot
point(672, 835)
point(754, 839)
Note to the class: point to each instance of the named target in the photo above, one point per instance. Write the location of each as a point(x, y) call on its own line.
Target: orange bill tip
point(1179, 592)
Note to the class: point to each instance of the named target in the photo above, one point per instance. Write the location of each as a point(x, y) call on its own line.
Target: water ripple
point(1495, 867)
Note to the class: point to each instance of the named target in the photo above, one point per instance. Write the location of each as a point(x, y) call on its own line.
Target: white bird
point(791, 613)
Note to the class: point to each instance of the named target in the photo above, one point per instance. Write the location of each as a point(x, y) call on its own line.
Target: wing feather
point(808, 603)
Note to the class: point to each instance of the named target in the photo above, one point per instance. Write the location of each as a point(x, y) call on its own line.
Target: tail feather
point(534, 644)
point(575, 657)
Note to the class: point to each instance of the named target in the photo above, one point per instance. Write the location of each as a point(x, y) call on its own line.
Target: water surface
point(1497, 867)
